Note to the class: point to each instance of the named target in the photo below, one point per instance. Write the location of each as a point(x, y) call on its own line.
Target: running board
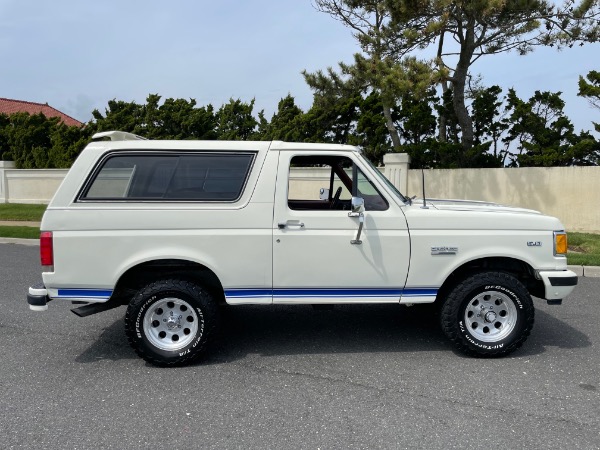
point(94, 308)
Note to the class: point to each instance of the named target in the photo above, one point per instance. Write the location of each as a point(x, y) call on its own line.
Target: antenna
point(423, 182)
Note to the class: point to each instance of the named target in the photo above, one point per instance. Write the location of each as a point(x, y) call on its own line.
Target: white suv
point(173, 229)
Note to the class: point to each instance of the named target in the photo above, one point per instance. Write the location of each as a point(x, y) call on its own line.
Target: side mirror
point(324, 194)
point(357, 206)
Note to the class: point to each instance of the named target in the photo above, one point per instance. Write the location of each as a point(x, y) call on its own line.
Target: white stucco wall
point(29, 185)
point(570, 193)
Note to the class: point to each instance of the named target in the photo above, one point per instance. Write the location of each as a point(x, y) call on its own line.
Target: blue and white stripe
point(91, 295)
point(329, 293)
point(240, 295)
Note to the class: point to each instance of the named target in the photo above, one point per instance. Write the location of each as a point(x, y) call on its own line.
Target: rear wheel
point(488, 314)
point(170, 322)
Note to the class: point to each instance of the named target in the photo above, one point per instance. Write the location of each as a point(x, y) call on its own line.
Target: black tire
point(170, 322)
point(488, 314)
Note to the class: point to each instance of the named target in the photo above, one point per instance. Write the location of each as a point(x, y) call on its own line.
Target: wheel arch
point(145, 272)
point(520, 269)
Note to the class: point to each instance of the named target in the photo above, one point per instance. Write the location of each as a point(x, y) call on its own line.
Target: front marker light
point(560, 243)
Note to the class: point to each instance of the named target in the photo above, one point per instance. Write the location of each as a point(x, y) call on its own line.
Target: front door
point(314, 257)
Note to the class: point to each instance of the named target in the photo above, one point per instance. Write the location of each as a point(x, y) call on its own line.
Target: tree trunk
point(459, 81)
point(389, 123)
point(442, 134)
point(442, 130)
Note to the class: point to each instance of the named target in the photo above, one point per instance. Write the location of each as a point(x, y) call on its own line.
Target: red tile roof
point(9, 106)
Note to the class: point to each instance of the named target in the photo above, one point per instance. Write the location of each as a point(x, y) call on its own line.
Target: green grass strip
point(20, 211)
point(19, 232)
point(584, 249)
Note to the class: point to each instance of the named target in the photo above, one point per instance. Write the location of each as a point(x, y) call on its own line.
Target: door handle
point(290, 224)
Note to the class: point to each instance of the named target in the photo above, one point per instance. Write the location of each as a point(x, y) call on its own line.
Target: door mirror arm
point(358, 210)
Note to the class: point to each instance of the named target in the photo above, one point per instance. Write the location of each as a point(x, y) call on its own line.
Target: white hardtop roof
point(282, 146)
point(126, 141)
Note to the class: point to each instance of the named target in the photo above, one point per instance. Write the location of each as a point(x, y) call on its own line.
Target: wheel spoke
point(490, 316)
point(171, 324)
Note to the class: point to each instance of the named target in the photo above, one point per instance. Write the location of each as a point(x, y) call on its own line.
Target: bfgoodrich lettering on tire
point(488, 314)
point(170, 322)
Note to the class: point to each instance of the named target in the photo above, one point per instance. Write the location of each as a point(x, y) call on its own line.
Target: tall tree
point(388, 30)
point(28, 138)
point(544, 136)
point(335, 110)
point(171, 119)
point(590, 89)
point(372, 133)
point(178, 119)
point(286, 123)
point(120, 115)
point(4, 148)
point(486, 27)
point(38, 142)
point(235, 121)
point(378, 68)
point(488, 123)
point(66, 144)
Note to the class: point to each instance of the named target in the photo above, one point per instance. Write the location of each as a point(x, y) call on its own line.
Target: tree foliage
point(462, 31)
point(508, 130)
point(590, 89)
point(378, 68)
point(544, 136)
point(487, 27)
point(35, 141)
point(172, 119)
point(235, 121)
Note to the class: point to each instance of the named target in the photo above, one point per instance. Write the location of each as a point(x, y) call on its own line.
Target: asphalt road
point(293, 377)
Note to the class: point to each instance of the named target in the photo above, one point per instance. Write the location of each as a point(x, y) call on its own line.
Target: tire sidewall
point(454, 323)
point(143, 304)
point(500, 345)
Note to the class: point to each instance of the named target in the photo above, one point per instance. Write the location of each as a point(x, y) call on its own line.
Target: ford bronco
point(175, 229)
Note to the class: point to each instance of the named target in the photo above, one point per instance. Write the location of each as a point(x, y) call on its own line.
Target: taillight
point(46, 251)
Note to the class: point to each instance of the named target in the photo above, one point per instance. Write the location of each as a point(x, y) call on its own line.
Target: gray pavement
point(291, 377)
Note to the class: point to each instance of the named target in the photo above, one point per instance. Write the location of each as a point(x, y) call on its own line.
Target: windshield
point(382, 177)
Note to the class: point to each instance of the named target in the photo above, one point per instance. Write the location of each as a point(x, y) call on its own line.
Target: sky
point(76, 55)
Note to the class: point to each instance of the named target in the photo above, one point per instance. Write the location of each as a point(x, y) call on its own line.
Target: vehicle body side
point(255, 261)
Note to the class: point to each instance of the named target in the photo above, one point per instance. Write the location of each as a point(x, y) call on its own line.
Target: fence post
point(4, 180)
point(396, 169)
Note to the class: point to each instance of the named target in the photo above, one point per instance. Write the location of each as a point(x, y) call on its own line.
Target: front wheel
point(170, 322)
point(488, 314)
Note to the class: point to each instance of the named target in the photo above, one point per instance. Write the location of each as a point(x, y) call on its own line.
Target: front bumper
point(558, 284)
point(37, 298)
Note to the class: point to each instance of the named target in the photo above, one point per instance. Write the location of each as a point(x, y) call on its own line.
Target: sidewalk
point(16, 223)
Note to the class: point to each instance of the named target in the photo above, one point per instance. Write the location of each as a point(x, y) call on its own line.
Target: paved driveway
point(292, 377)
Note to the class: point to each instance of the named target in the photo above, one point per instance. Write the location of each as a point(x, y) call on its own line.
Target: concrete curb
point(19, 223)
point(586, 271)
point(591, 271)
point(581, 271)
point(28, 242)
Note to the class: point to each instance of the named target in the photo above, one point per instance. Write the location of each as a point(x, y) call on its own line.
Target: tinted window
point(200, 177)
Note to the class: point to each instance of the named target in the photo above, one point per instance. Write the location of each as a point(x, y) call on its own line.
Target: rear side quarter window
point(206, 177)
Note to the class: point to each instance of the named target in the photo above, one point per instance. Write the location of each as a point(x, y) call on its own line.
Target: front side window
point(384, 179)
point(184, 177)
point(318, 182)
